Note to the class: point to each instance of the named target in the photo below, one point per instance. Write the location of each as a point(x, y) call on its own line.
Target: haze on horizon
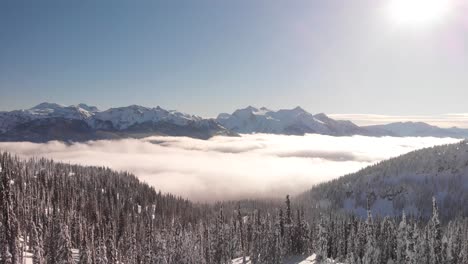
point(204, 57)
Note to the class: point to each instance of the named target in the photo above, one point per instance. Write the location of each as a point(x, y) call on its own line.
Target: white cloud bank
point(231, 167)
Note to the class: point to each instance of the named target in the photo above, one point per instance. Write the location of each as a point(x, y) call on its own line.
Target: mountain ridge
point(50, 121)
point(90, 123)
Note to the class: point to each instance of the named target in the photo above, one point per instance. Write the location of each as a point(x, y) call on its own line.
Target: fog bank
point(257, 165)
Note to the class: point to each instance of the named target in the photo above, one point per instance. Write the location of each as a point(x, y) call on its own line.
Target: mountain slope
point(417, 129)
point(295, 121)
point(404, 183)
point(48, 121)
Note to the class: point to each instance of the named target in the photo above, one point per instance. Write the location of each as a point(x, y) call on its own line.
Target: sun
point(418, 12)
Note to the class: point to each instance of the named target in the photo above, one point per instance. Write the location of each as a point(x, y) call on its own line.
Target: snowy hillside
point(295, 121)
point(403, 183)
point(58, 213)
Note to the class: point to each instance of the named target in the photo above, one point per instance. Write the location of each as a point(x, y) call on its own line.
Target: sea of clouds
point(222, 168)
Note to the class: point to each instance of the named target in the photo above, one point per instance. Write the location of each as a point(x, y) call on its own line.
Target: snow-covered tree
point(372, 253)
point(37, 244)
point(322, 243)
point(401, 240)
point(435, 235)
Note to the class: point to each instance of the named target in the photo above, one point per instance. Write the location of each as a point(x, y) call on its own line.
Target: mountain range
point(81, 122)
point(49, 121)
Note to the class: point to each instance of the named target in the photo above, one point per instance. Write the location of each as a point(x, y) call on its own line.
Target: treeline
point(61, 213)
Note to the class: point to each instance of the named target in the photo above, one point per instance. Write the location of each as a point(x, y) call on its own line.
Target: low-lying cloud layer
point(231, 167)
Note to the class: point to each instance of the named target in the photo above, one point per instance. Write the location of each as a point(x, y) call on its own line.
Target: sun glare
point(418, 12)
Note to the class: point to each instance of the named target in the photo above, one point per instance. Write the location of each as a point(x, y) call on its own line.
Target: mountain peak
point(250, 108)
point(46, 105)
point(88, 108)
point(299, 109)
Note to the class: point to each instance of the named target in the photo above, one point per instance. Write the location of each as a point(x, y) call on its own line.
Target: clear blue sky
point(205, 57)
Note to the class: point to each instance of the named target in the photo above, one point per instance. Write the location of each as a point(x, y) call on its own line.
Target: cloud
point(230, 167)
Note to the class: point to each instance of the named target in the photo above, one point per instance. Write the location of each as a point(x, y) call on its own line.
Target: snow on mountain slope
point(91, 109)
point(9, 120)
point(146, 121)
point(124, 117)
point(83, 122)
point(295, 121)
point(47, 110)
point(405, 183)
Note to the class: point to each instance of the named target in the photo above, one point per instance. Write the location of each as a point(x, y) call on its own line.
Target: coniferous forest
point(61, 213)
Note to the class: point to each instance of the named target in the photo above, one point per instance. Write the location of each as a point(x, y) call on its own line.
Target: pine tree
point(148, 257)
point(288, 211)
point(37, 245)
point(435, 235)
point(372, 253)
point(64, 252)
point(85, 252)
point(350, 255)
point(322, 243)
point(110, 246)
point(401, 240)
point(288, 229)
point(10, 252)
point(101, 253)
point(410, 253)
point(387, 240)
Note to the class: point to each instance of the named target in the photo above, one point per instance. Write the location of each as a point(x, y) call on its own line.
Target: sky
point(230, 168)
point(209, 56)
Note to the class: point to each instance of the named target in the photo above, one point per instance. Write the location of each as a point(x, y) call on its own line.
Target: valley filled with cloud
point(224, 168)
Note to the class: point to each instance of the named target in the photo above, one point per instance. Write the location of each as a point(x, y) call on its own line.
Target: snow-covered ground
point(291, 260)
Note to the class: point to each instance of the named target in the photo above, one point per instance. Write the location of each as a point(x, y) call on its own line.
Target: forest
point(62, 213)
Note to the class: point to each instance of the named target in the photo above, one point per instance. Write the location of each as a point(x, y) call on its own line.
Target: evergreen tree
point(372, 253)
point(37, 245)
point(85, 253)
point(110, 246)
point(410, 254)
point(64, 252)
point(101, 253)
point(322, 243)
point(401, 240)
point(10, 252)
point(435, 235)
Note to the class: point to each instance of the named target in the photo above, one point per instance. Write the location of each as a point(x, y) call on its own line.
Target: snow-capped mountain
point(295, 121)
point(404, 183)
point(49, 121)
point(9, 120)
point(125, 117)
point(417, 129)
